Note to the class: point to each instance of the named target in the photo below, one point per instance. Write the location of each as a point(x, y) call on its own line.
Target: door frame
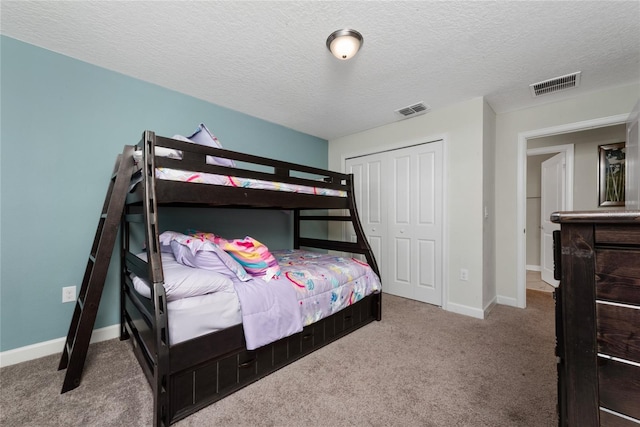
point(521, 184)
point(568, 150)
point(445, 223)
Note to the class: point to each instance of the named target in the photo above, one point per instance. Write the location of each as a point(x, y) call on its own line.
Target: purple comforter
point(269, 311)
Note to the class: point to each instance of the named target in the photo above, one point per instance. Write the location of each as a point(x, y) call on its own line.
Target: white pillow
point(181, 281)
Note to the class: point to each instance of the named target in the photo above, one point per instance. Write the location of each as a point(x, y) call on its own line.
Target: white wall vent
point(555, 85)
point(413, 110)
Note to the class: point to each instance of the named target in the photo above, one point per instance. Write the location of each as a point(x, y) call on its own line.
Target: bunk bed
point(189, 373)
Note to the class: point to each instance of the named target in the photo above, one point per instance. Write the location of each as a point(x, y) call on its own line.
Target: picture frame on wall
point(611, 174)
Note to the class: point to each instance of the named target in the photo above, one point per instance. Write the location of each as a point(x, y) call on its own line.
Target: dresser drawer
point(617, 331)
point(618, 275)
point(617, 234)
point(619, 387)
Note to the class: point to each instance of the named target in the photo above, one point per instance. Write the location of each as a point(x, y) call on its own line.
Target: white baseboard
point(46, 348)
point(534, 267)
point(489, 306)
point(466, 310)
point(513, 302)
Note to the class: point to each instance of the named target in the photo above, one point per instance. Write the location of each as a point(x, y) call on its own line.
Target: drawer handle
point(247, 364)
point(307, 337)
point(347, 318)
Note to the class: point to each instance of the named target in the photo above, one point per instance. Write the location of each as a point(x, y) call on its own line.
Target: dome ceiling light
point(344, 44)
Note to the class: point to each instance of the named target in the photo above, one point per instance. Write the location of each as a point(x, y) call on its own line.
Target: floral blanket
point(318, 284)
point(324, 283)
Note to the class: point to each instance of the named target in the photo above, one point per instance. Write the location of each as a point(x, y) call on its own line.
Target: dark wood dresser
point(597, 258)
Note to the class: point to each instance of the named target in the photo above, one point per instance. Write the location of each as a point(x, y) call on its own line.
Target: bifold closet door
point(400, 198)
point(415, 223)
point(367, 180)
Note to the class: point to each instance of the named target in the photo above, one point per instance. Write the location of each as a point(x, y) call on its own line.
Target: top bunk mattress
point(204, 138)
point(234, 181)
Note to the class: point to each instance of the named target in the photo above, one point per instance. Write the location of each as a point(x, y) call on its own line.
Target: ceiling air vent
point(555, 85)
point(413, 110)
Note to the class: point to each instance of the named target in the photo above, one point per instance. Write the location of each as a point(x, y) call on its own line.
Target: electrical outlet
point(69, 294)
point(464, 274)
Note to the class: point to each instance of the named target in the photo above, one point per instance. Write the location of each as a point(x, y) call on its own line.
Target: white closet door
point(399, 196)
point(415, 223)
point(367, 178)
point(553, 199)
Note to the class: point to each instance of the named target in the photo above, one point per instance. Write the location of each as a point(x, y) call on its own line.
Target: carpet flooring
point(419, 366)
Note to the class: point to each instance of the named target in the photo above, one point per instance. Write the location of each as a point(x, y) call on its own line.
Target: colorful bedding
point(324, 283)
point(310, 286)
point(232, 181)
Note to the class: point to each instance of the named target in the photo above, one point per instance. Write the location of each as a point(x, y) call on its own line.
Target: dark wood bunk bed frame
point(190, 375)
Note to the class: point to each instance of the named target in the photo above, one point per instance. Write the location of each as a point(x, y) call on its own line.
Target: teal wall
point(63, 122)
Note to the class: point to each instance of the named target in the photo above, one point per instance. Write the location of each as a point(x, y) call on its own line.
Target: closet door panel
point(426, 266)
point(401, 182)
point(428, 225)
point(376, 247)
point(368, 182)
point(402, 268)
point(415, 217)
point(426, 189)
point(373, 193)
point(401, 216)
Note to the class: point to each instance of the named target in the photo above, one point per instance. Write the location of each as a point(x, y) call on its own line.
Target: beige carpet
point(419, 366)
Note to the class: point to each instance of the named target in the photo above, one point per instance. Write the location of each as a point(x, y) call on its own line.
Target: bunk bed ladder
point(86, 308)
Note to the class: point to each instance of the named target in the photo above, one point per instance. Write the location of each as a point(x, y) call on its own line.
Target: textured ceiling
point(269, 59)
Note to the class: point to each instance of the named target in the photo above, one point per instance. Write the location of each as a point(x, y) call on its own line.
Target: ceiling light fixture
point(344, 44)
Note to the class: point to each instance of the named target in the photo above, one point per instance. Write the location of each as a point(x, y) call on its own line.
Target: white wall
point(489, 218)
point(591, 106)
point(461, 126)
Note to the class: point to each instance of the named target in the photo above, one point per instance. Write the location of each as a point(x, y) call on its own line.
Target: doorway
point(521, 183)
point(549, 189)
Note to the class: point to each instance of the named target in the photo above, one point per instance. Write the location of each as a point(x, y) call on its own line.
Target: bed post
point(296, 228)
point(161, 329)
point(124, 248)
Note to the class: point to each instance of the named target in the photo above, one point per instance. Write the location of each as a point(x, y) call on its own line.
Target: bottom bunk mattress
point(310, 286)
